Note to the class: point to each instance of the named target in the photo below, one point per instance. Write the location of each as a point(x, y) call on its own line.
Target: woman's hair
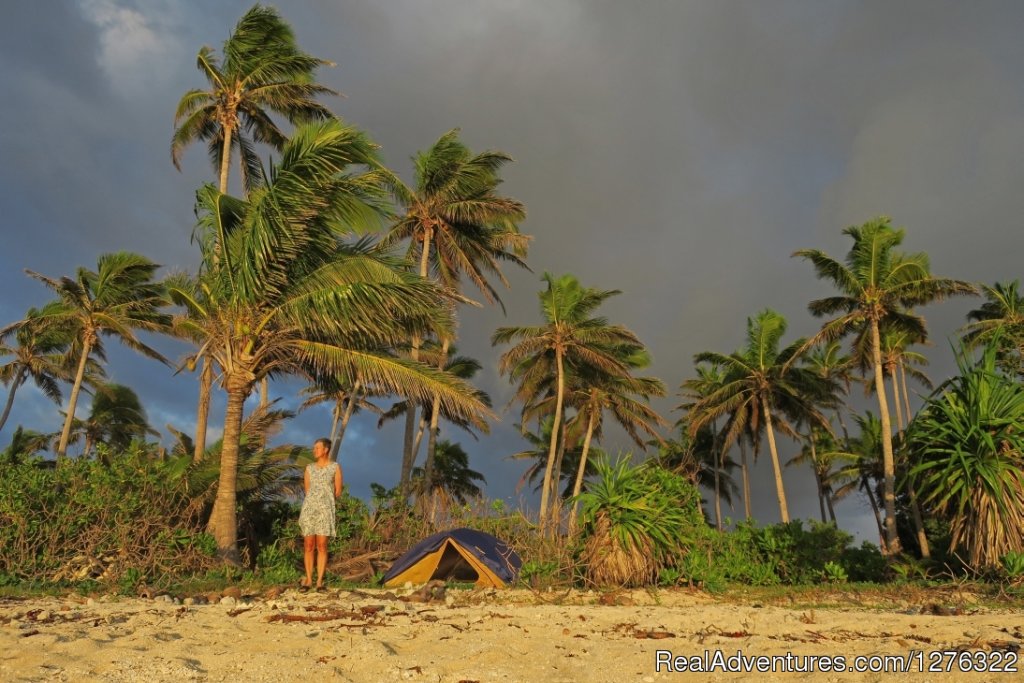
point(325, 442)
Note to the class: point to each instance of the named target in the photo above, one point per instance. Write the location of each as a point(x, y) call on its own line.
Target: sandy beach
point(490, 635)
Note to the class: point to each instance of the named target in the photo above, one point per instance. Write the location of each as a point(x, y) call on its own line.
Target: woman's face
point(319, 450)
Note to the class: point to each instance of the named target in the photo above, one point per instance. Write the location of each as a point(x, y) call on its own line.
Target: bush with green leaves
point(967, 449)
point(88, 520)
point(636, 520)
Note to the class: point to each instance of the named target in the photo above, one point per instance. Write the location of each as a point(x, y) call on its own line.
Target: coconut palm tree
point(348, 400)
point(117, 299)
point(877, 285)
point(25, 443)
point(1002, 317)
point(453, 477)
point(263, 72)
point(571, 335)
point(292, 298)
point(459, 227)
point(39, 354)
point(761, 386)
point(702, 462)
point(116, 418)
point(537, 455)
point(861, 468)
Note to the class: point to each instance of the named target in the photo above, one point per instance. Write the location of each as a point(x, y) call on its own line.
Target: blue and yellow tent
point(459, 555)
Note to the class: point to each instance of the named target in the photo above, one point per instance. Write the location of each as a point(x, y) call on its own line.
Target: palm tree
point(537, 455)
point(24, 443)
point(116, 299)
point(877, 286)
point(459, 226)
point(570, 334)
point(116, 418)
point(348, 400)
point(703, 463)
point(464, 368)
point(626, 398)
point(863, 469)
point(39, 354)
point(263, 71)
point(1002, 317)
point(452, 477)
point(293, 299)
point(757, 380)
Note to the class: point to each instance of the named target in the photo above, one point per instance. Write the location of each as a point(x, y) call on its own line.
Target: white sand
point(483, 636)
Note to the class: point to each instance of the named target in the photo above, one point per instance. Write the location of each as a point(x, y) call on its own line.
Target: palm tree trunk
point(225, 156)
point(831, 508)
point(223, 518)
point(817, 476)
point(65, 435)
point(408, 454)
point(264, 393)
point(915, 509)
point(335, 423)
point(719, 459)
point(779, 489)
point(435, 414)
point(746, 478)
point(892, 539)
point(906, 395)
point(203, 413)
point(580, 471)
point(555, 428)
point(899, 406)
point(866, 485)
point(349, 409)
point(18, 379)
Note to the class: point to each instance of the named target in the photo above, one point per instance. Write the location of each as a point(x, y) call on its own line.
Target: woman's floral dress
point(317, 516)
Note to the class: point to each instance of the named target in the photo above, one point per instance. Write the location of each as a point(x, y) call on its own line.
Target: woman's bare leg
point(308, 544)
point(321, 559)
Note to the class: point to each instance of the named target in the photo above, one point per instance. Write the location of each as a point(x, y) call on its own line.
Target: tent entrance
point(453, 566)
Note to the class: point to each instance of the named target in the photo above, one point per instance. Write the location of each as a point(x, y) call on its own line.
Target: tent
point(460, 555)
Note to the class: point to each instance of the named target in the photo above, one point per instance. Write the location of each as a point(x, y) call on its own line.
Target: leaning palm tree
point(458, 226)
point(1000, 317)
point(117, 299)
point(761, 386)
point(39, 354)
point(25, 443)
point(570, 334)
point(116, 418)
point(877, 286)
point(861, 467)
point(292, 298)
point(263, 72)
point(347, 399)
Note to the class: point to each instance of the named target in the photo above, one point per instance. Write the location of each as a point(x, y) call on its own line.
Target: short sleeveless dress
point(317, 515)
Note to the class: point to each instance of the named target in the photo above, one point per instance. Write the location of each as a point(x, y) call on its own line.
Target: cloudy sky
point(677, 151)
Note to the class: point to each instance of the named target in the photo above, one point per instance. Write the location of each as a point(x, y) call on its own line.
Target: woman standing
point(322, 483)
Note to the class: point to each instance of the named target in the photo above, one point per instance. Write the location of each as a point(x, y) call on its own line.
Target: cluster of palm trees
point(327, 266)
point(800, 390)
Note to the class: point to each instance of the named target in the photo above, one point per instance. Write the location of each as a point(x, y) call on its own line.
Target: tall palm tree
point(263, 72)
point(347, 399)
point(762, 386)
point(293, 299)
point(459, 226)
point(1000, 317)
point(570, 334)
point(877, 286)
point(452, 476)
point(24, 443)
point(701, 461)
point(537, 455)
point(117, 299)
point(39, 354)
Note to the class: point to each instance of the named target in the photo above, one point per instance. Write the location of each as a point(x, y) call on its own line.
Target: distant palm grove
point(328, 267)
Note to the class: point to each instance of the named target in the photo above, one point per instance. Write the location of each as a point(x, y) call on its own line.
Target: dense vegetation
point(328, 267)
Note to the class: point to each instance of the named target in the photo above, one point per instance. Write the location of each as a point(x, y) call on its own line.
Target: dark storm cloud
point(676, 151)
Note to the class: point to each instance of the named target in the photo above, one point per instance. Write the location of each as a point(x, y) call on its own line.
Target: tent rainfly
point(459, 555)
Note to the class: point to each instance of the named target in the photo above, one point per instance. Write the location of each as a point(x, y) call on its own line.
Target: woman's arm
point(305, 480)
point(337, 480)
